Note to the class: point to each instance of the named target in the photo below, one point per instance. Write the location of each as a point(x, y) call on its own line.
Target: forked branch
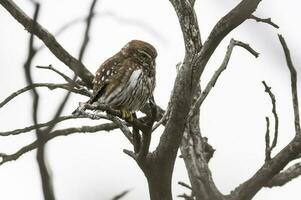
point(270, 147)
point(62, 132)
point(49, 40)
point(285, 176)
point(50, 86)
point(218, 72)
point(265, 20)
point(272, 168)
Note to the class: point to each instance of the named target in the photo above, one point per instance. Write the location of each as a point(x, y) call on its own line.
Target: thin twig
point(218, 72)
point(162, 120)
point(136, 137)
point(62, 132)
point(185, 185)
point(49, 40)
point(121, 195)
point(81, 54)
point(293, 74)
point(290, 152)
point(122, 126)
point(185, 196)
point(112, 16)
point(65, 77)
point(274, 111)
point(78, 85)
point(165, 116)
point(50, 86)
point(147, 133)
point(38, 126)
point(267, 140)
point(266, 20)
point(45, 177)
point(87, 30)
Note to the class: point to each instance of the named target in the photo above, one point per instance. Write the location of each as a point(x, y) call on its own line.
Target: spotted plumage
point(126, 80)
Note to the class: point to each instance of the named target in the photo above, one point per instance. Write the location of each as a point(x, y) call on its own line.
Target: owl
point(126, 80)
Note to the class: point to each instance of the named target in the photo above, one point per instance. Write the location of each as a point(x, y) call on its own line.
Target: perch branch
point(147, 133)
point(83, 106)
point(186, 83)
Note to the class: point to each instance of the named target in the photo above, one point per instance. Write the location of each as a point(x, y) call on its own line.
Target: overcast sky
point(92, 166)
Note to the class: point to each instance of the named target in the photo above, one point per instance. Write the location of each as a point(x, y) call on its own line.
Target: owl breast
point(132, 93)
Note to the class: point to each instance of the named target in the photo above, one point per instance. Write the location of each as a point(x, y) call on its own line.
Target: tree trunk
point(159, 174)
point(159, 187)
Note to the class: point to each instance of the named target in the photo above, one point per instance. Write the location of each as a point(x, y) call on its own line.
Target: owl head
point(141, 51)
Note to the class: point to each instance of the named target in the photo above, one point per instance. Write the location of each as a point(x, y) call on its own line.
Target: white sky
point(93, 167)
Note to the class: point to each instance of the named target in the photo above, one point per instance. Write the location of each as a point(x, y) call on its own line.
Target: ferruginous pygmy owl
point(127, 80)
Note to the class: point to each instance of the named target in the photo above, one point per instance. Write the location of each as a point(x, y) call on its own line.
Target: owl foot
point(125, 114)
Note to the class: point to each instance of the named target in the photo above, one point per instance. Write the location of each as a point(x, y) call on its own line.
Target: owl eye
point(144, 55)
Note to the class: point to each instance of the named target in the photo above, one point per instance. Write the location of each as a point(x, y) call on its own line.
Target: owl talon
point(126, 115)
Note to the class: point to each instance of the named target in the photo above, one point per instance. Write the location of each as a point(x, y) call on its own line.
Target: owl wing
point(109, 76)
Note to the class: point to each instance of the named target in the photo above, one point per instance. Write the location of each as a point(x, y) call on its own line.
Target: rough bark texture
point(181, 119)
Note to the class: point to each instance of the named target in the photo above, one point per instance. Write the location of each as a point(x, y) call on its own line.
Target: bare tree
point(181, 118)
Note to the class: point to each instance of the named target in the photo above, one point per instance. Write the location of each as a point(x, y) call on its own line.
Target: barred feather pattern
point(126, 80)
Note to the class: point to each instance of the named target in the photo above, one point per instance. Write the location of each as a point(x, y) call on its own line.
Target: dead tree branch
point(158, 165)
point(293, 74)
point(285, 176)
point(269, 148)
point(65, 77)
point(86, 39)
point(292, 151)
point(38, 126)
point(196, 153)
point(267, 140)
point(218, 72)
point(184, 185)
point(50, 86)
point(49, 40)
point(81, 55)
point(121, 195)
point(45, 177)
point(86, 106)
point(266, 20)
point(62, 132)
point(122, 126)
point(186, 197)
